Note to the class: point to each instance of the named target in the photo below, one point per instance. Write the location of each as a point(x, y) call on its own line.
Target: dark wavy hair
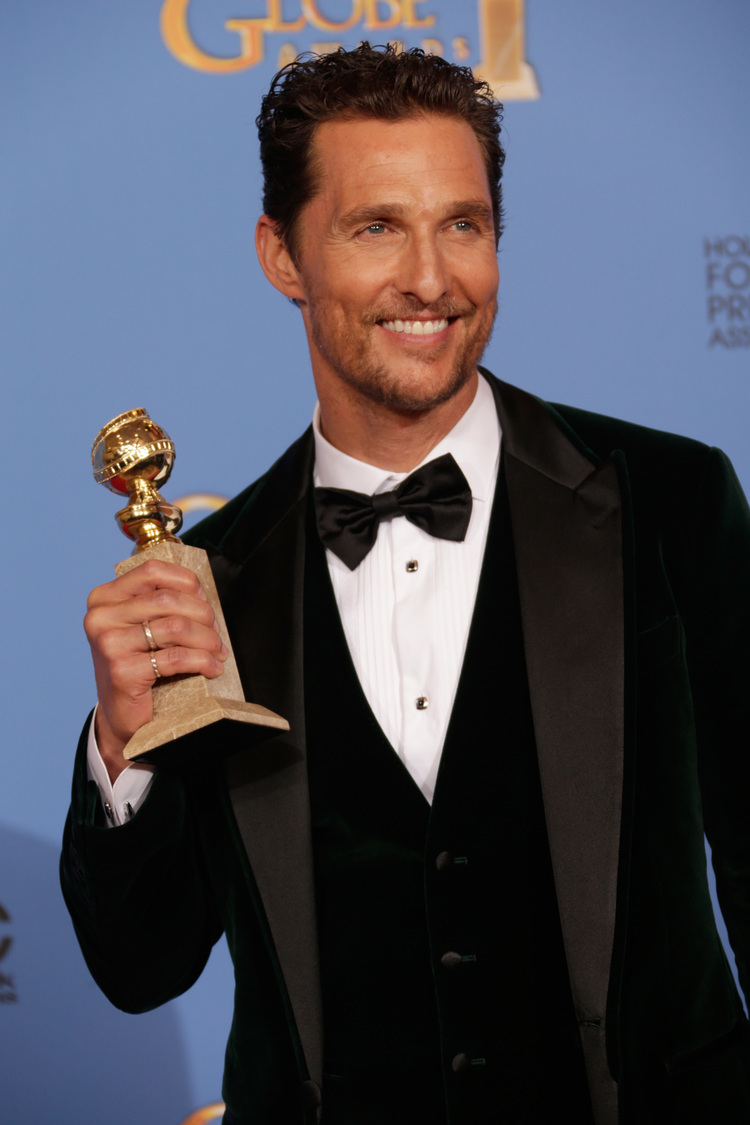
point(379, 82)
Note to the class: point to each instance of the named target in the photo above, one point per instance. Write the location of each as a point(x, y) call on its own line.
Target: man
point(469, 885)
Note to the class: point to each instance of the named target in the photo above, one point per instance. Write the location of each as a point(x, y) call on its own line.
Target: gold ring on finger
point(155, 666)
point(149, 636)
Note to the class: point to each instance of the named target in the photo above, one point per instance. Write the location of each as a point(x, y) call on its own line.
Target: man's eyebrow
point(475, 209)
point(361, 216)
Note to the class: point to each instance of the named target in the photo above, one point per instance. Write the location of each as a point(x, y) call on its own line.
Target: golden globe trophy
point(132, 457)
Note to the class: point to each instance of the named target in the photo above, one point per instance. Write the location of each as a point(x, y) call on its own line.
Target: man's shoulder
point(260, 505)
point(603, 434)
point(646, 450)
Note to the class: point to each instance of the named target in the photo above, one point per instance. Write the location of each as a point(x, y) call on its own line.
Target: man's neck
point(390, 439)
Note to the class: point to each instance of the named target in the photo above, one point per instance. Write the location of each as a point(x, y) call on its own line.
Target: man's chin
point(416, 395)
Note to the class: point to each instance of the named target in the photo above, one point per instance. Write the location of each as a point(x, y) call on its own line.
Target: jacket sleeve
point(718, 632)
point(139, 895)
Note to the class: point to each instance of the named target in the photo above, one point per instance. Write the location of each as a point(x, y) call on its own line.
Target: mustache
point(447, 309)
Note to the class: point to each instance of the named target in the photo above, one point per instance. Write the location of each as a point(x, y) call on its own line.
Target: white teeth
point(416, 327)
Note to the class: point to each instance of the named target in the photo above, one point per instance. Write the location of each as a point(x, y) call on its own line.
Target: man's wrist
point(122, 795)
point(109, 746)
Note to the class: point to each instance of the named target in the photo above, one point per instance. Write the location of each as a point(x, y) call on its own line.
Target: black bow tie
point(436, 498)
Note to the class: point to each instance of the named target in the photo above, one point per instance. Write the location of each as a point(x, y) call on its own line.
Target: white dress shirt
point(405, 610)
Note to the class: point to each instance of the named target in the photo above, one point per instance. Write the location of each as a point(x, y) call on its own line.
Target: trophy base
point(193, 716)
point(183, 704)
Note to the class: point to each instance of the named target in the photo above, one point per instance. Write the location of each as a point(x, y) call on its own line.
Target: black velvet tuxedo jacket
point(633, 556)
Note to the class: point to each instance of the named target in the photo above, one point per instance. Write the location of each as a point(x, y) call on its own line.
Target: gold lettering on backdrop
point(501, 36)
point(460, 47)
point(288, 53)
point(317, 19)
point(175, 32)
point(251, 42)
point(410, 18)
point(276, 18)
point(376, 19)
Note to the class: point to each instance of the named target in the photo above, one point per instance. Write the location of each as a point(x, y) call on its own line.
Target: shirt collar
point(474, 442)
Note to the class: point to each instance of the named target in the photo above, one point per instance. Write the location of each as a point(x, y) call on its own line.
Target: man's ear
point(276, 261)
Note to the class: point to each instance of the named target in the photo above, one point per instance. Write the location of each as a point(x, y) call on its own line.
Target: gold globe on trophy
point(132, 457)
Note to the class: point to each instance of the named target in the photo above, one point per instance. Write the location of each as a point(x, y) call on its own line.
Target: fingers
point(116, 639)
point(155, 592)
point(134, 674)
point(145, 579)
point(184, 630)
point(165, 609)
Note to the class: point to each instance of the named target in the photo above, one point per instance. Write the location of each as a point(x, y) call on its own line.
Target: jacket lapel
point(259, 570)
point(567, 529)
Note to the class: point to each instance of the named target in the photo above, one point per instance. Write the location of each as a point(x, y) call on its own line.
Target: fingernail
point(219, 667)
point(224, 652)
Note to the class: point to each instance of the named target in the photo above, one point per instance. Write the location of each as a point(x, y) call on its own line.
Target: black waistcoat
point(445, 992)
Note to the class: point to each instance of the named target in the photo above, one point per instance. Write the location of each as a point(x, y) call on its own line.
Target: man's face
point(397, 261)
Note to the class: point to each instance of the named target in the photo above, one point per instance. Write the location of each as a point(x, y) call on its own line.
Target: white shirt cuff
point(122, 800)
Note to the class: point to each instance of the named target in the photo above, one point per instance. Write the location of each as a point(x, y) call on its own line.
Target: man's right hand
point(172, 601)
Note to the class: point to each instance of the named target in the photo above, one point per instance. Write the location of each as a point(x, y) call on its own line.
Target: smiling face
point(396, 271)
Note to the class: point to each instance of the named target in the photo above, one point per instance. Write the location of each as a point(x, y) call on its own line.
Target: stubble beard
point(381, 387)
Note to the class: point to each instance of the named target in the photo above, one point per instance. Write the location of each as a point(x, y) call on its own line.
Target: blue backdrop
point(129, 189)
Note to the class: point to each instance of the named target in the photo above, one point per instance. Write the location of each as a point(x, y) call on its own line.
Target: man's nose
point(422, 270)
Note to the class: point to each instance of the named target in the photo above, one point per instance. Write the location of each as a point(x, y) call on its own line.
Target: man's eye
point(375, 228)
point(464, 225)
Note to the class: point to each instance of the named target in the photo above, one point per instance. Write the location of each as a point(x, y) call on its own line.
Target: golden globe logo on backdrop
point(497, 36)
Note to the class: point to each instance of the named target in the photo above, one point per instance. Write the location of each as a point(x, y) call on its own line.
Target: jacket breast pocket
point(660, 643)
